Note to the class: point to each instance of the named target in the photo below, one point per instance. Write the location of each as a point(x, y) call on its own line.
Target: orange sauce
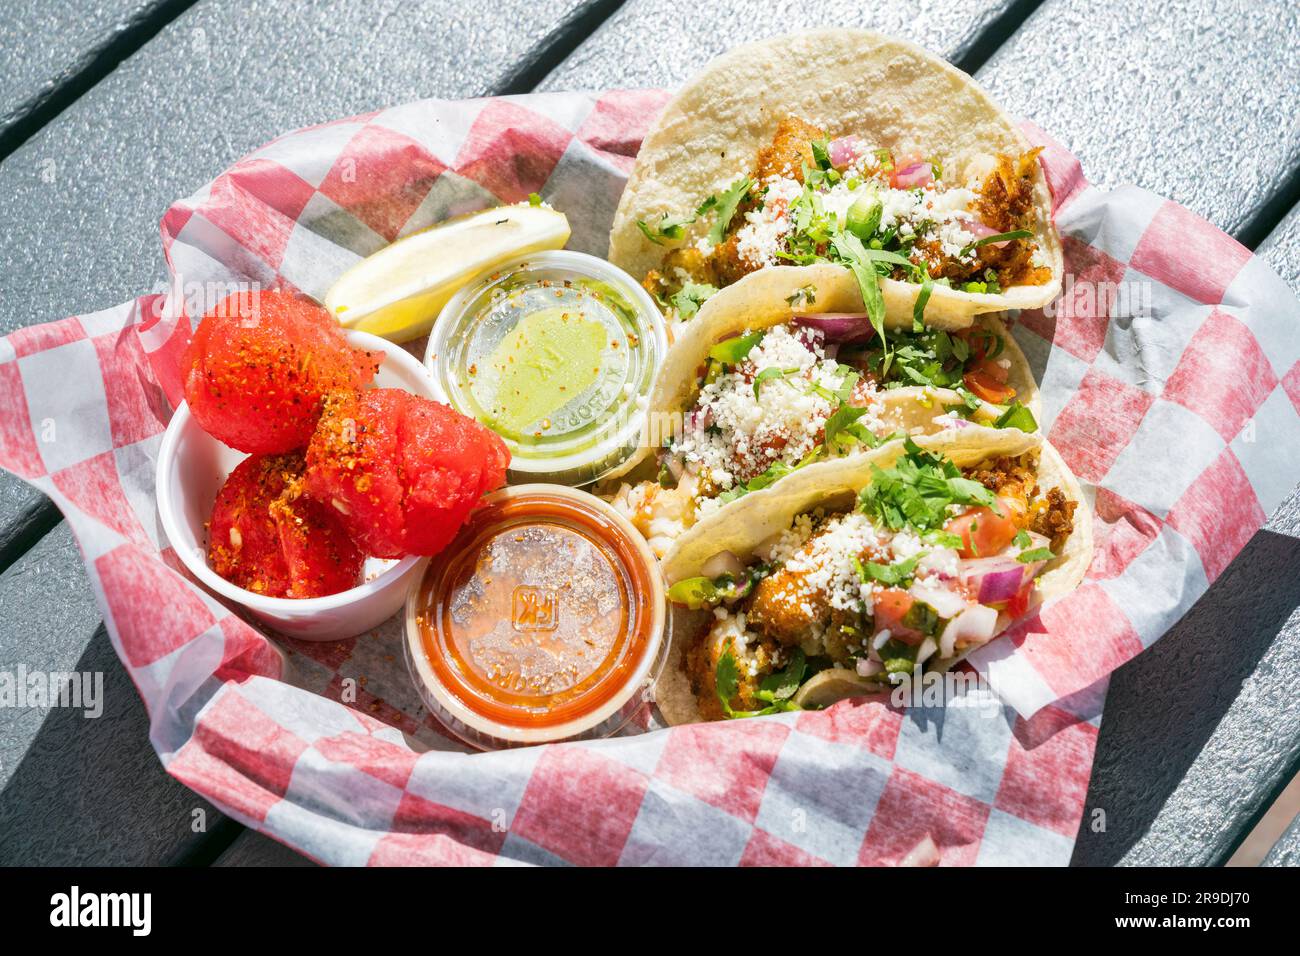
point(538, 614)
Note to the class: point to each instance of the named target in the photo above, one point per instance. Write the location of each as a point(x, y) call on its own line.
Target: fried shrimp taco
point(750, 395)
point(848, 161)
point(890, 563)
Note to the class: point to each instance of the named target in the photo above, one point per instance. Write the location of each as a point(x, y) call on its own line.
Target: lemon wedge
point(398, 291)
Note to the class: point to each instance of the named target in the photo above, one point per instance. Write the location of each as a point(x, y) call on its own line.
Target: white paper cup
point(192, 466)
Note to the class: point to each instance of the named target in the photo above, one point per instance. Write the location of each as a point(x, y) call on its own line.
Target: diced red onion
point(994, 579)
point(929, 647)
point(975, 625)
point(698, 419)
point(912, 176)
point(745, 586)
point(948, 639)
point(868, 667)
point(809, 336)
point(1036, 540)
point(724, 562)
point(979, 231)
point(765, 548)
point(1001, 586)
point(839, 327)
point(999, 578)
point(946, 603)
point(844, 150)
point(925, 853)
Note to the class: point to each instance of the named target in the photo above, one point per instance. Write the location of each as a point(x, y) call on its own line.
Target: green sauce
point(548, 358)
point(557, 353)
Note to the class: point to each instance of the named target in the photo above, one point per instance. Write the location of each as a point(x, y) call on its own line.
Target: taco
point(851, 162)
point(749, 396)
point(895, 562)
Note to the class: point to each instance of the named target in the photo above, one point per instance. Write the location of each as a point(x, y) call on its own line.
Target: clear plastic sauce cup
point(556, 352)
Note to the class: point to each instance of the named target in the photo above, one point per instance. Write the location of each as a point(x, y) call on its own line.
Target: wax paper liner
point(1170, 383)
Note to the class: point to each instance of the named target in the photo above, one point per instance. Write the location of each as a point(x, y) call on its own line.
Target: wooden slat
point(47, 43)
point(662, 42)
point(1190, 99)
point(1286, 851)
point(76, 790)
point(83, 198)
point(1282, 249)
point(252, 849)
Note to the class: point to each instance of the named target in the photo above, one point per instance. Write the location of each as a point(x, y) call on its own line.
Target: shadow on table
point(1164, 705)
point(92, 791)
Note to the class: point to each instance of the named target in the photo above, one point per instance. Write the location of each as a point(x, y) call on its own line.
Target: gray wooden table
point(111, 110)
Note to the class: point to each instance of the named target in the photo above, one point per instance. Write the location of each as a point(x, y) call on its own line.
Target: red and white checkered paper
point(1181, 420)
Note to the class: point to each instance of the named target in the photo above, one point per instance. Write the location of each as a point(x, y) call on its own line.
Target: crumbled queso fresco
point(762, 236)
point(731, 436)
point(823, 563)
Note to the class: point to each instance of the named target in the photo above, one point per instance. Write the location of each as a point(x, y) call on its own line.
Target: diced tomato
point(889, 608)
point(1019, 605)
point(983, 532)
point(985, 385)
point(993, 370)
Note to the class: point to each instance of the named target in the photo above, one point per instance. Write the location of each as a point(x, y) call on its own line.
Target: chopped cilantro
point(999, 237)
point(945, 539)
point(782, 684)
point(1038, 554)
point(767, 375)
point(969, 399)
point(1021, 540)
point(889, 574)
point(821, 153)
point(725, 206)
point(804, 295)
point(726, 679)
point(692, 295)
point(842, 427)
point(772, 474)
point(1017, 416)
point(669, 227)
point(917, 490)
point(853, 254)
point(884, 255)
point(929, 357)
point(648, 232)
point(922, 299)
